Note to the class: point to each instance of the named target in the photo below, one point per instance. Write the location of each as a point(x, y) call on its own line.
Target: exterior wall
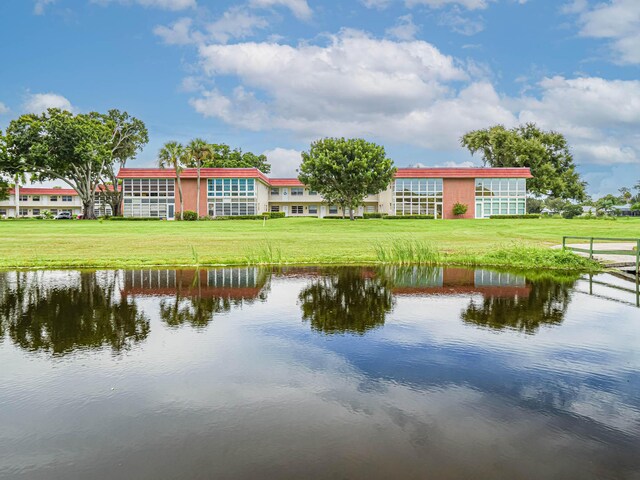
point(458, 190)
point(189, 189)
point(36, 208)
point(262, 197)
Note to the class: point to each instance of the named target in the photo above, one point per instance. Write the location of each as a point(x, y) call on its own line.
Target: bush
point(131, 219)
point(277, 215)
point(339, 217)
point(189, 216)
point(460, 209)
point(238, 217)
point(374, 215)
point(528, 215)
point(408, 217)
point(571, 211)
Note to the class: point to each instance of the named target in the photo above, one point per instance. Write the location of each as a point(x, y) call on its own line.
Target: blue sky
point(272, 75)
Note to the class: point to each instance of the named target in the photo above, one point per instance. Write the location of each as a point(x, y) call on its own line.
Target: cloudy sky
point(272, 75)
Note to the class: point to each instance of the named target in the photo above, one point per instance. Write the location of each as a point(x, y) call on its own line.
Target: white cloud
point(236, 22)
point(39, 102)
point(162, 4)
point(299, 8)
point(284, 162)
point(40, 6)
point(4, 109)
point(461, 23)
point(468, 4)
point(616, 20)
point(178, 33)
point(404, 29)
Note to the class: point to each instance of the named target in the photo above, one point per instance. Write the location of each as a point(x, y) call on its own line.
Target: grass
point(514, 243)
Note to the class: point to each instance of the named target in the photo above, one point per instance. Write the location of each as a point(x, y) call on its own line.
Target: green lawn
point(47, 243)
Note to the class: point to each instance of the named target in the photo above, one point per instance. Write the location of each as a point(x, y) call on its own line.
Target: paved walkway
point(609, 259)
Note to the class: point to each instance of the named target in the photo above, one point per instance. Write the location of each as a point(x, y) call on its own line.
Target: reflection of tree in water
point(196, 301)
point(346, 300)
point(546, 304)
point(83, 313)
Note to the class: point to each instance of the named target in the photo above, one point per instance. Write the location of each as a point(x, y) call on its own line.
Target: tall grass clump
point(407, 252)
point(265, 254)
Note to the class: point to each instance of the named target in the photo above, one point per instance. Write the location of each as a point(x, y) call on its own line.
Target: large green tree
point(546, 153)
point(128, 137)
point(4, 184)
point(58, 145)
point(224, 157)
point(345, 171)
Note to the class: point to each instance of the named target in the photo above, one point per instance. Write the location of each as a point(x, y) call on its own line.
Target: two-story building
point(153, 192)
point(33, 202)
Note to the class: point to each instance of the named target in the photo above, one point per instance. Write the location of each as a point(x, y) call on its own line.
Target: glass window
point(53, 198)
point(3, 211)
point(297, 191)
point(67, 198)
point(333, 210)
point(297, 209)
point(275, 208)
point(24, 198)
point(275, 191)
point(36, 211)
point(313, 192)
point(418, 196)
point(501, 196)
point(313, 209)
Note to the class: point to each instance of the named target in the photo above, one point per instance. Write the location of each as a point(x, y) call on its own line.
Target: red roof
point(193, 173)
point(44, 191)
point(285, 182)
point(464, 173)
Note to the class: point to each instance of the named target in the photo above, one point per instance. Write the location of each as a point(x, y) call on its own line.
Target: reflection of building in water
point(244, 283)
point(454, 281)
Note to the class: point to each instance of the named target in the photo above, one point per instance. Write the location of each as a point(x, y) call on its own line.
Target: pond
point(311, 373)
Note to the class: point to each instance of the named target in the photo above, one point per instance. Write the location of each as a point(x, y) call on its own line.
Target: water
point(318, 373)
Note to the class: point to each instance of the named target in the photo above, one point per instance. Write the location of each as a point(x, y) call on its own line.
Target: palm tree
point(198, 151)
point(172, 155)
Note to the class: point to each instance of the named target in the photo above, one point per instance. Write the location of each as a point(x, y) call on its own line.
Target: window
point(312, 192)
point(297, 191)
point(231, 207)
point(54, 211)
point(3, 212)
point(24, 198)
point(144, 197)
point(24, 212)
point(418, 196)
point(275, 191)
point(333, 210)
point(36, 198)
point(500, 196)
point(231, 187)
point(36, 211)
point(370, 209)
point(67, 198)
point(297, 209)
point(53, 198)
point(275, 208)
point(313, 209)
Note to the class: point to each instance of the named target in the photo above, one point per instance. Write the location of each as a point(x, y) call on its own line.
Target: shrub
point(528, 215)
point(277, 215)
point(239, 217)
point(189, 216)
point(460, 209)
point(408, 217)
point(374, 215)
point(47, 214)
point(131, 219)
point(338, 217)
point(571, 211)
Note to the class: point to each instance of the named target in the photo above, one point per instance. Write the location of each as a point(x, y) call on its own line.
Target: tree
point(605, 204)
point(128, 136)
point(571, 210)
point(635, 207)
point(58, 145)
point(197, 152)
point(534, 205)
point(556, 205)
point(346, 300)
point(4, 184)
point(625, 194)
point(545, 153)
point(345, 171)
point(224, 157)
point(172, 155)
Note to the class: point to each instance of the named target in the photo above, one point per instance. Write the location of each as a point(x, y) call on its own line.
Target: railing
point(634, 252)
